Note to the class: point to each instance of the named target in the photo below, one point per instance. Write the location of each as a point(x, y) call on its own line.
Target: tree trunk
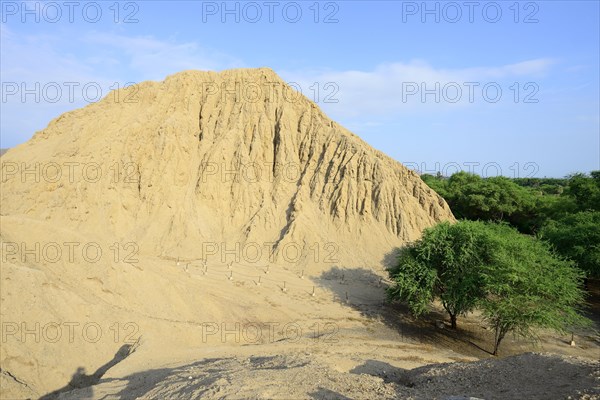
point(495, 353)
point(452, 316)
point(497, 339)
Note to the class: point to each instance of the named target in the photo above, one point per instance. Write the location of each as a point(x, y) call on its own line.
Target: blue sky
point(493, 87)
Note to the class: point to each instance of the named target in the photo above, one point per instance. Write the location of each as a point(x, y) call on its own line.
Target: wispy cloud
point(104, 60)
point(530, 68)
point(154, 58)
point(390, 88)
point(102, 56)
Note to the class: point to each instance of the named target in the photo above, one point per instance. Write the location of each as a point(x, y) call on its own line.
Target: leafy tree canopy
point(577, 237)
point(516, 280)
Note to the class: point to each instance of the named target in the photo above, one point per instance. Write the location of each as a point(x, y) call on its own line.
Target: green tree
point(515, 279)
point(444, 264)
point(527, 287)
point(585, 190)
point(546, 186)
point(492, 199)
point(488, 199)
point(437, 183)
point(577, 237)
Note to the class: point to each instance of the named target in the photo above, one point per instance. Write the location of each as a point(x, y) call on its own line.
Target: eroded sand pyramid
point(173, 167)
point(204, 162)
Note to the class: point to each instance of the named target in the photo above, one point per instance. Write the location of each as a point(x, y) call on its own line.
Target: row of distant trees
point(564, 212)
point(520, 252)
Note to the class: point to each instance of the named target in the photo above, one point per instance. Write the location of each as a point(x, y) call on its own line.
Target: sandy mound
point(208, 162)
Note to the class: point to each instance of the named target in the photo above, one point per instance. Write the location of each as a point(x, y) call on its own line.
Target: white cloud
point(104, 60)
point(388, 88)
point(101, 57)
point(531, 68)
point(154, 59)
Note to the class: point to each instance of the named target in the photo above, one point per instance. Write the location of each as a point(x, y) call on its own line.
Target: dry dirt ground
point(344, 349)
point(299, 376)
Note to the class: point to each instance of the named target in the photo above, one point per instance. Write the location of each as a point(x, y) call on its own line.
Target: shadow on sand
point(326, 394)
point(138, 385)
point(364, 290)
point(83, 383)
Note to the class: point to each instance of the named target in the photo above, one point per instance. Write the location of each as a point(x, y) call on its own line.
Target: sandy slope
point(287, 344)
point(168, 309)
